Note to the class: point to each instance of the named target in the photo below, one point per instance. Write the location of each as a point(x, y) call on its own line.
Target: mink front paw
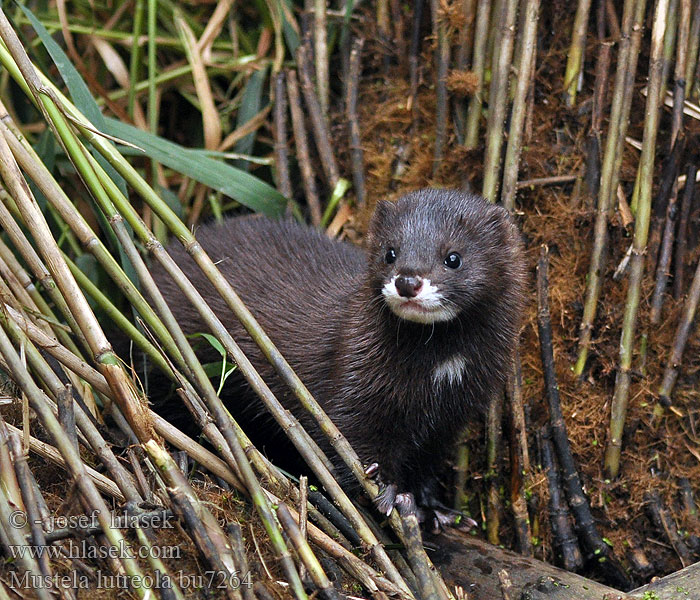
point(388, 499)
point(389, 496)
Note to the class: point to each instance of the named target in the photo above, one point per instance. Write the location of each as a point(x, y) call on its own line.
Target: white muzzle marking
point(426, 307)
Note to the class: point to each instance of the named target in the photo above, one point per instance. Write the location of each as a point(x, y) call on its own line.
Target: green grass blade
point(239, 185)
point(79, 91)
point(76, 85)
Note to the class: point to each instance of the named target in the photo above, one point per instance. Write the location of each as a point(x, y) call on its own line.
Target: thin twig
point(356, 153)
point(682, 234)
point(302, 146)
point(284, 183)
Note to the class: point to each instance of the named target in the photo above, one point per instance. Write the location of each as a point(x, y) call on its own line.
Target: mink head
point(437, 254)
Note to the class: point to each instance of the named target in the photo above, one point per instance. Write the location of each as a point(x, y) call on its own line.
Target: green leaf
point(239, 185)
point(250, 106)
point(216, 344)
point(172, 200)
point(222, 369)
point(219, 369)
point(76, 85)
point(290, 35)
point(47, 149)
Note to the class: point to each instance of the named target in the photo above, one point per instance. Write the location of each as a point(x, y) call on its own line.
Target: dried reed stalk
point(679, 341)
point(302, 146)
point(498, 98)
point(442, 59)
point(641, 229)
point(284, 183)
point(632, 19)
point(321, 56)
point(517, 119)
point(356, 153)
point(471, 131)
point(319, 120)
point(694, 44)
point(413, 54)
point(519, 461)
point(494, 508)
point(664, 262)
point(576, 52)
point(559, 516)
point(306, 554)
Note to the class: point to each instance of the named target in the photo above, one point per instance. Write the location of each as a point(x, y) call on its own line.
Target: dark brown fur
point(320, 301)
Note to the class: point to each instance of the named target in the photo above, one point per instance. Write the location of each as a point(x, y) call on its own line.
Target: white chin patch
point(426, 307)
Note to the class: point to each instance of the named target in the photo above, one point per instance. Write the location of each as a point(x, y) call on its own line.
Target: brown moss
point(462, 83)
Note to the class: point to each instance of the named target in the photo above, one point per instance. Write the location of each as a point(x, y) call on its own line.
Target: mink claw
point(386, 499)
point(372, 469)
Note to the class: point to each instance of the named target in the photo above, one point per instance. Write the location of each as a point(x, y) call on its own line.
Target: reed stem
point(471, 127)
point(498, 98)
point(576, 52)
point(632, 19)
point(517, 119)
point(641, 230)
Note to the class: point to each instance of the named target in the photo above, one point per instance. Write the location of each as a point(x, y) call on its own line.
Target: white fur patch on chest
point(450, 371)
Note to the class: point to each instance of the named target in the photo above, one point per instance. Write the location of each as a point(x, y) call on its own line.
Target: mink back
point(400, 391)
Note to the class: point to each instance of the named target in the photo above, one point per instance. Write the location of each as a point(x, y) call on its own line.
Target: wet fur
point(320, 301)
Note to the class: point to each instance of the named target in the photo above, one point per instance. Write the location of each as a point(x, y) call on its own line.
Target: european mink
point(402, 345)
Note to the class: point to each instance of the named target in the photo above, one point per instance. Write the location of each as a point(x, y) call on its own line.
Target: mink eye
point(453, 260)
point(390, 256)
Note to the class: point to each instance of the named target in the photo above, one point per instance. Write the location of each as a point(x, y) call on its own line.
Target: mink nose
point(408, 287)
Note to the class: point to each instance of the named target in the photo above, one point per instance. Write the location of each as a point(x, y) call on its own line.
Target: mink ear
point(382, 213)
